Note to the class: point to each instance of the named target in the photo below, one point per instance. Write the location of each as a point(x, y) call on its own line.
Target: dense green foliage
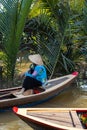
point(56, 29)
point(58, 33)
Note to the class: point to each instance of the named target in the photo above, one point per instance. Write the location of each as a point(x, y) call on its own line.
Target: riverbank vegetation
point(56, 29)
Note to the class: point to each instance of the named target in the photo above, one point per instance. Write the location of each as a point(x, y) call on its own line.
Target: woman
point(36, 76)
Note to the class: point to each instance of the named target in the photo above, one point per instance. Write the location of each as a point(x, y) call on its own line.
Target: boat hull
point(54, 87)
point(52, 118)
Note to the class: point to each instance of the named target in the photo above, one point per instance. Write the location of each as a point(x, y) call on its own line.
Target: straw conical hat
point(36, 59)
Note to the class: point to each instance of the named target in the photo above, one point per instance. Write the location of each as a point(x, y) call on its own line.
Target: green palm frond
point(13, 14)
point(49, 51)
point(44, 37)
point(60, 14)
point(67, 64)
point(85, 17)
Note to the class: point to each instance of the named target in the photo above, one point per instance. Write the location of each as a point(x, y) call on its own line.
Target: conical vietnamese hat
point(36, 59)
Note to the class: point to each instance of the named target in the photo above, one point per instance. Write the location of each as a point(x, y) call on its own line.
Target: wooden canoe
point(53, 88)
point(52, 118)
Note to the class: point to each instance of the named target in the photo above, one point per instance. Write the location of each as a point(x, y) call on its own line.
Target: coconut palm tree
point(13, 15)
point(65, 19)
point(50, 32)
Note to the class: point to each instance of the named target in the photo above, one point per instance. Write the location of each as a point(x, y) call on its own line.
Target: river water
point(74, 96)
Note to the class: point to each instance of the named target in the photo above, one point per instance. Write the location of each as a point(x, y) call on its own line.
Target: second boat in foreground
point(53, 118)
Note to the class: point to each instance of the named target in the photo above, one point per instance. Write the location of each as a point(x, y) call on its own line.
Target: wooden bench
point(75, 119)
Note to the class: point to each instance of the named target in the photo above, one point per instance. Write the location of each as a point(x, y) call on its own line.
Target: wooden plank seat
point(75, 119)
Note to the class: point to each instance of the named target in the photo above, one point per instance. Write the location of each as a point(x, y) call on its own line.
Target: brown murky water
point(72, 97)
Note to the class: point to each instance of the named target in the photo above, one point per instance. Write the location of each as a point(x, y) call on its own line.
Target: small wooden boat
point(8, 98)
point(53, 118)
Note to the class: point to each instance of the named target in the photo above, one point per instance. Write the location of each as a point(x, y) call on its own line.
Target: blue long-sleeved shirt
point(39, 73)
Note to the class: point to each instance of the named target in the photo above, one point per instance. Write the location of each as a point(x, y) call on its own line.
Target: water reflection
point(72, 97)
point(9, 121)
